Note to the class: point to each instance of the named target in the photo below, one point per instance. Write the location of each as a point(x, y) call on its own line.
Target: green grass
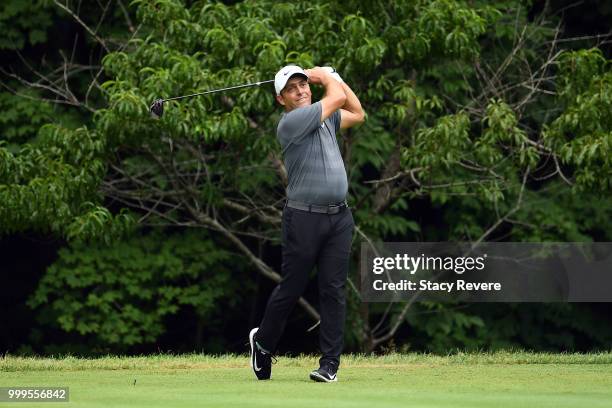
point(508, 379)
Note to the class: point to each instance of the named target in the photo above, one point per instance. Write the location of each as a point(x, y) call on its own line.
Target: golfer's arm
point(351, 112)
point(334, 97)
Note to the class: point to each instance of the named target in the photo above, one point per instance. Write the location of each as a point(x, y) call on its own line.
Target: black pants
point(309, 240)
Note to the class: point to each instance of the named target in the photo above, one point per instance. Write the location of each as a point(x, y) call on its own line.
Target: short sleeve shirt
point(312, 156)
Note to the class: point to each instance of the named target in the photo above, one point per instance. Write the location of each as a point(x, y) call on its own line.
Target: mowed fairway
point(463, 380)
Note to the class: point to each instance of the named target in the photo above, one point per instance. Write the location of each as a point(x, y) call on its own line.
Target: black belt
point(323, 209)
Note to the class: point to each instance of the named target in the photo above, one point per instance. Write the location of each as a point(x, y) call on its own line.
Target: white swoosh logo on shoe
point(255, 364)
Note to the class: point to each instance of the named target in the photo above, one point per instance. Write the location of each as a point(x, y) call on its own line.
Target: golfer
point(317, 225)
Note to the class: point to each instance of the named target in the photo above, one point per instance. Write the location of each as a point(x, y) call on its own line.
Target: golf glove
point(333, 73)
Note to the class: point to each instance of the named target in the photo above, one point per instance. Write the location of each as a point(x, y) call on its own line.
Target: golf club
point(157, 107)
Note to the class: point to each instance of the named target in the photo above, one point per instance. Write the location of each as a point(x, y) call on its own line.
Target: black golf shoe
point(261, 361)
point(326, 373)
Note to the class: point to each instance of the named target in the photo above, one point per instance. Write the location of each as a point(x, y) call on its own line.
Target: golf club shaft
point(218, 90)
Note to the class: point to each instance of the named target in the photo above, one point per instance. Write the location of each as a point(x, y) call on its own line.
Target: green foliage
point(21, 118)
point(50, 164)
point(48, 186)
point(578, 70)
point(455, 119)
point(87, 226)
point(583, 132)
point(208, 45)
point(451, 131)
point(24, 22)
point(121, 294)
point(559, 326)
point(449, 328)
point(212, 45)
point(560, 215)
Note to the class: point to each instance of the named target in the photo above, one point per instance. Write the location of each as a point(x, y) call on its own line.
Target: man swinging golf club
point(317, 225)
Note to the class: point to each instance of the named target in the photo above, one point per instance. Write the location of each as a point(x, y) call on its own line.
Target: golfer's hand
point(318, 76)
point(334, 73)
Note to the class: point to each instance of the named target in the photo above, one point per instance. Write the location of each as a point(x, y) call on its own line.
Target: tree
point(120, 296)
point(474, 112)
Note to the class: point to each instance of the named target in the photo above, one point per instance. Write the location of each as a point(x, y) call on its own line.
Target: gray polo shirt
point(312, 157)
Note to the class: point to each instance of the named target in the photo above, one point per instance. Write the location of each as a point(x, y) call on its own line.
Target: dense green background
point(487, 120)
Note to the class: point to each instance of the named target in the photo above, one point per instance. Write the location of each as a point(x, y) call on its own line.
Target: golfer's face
point(296, 93)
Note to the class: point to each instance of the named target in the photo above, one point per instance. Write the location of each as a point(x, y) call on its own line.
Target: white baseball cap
point(282, 76)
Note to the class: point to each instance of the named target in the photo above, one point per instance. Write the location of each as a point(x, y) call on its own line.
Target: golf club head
point(157, 108)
